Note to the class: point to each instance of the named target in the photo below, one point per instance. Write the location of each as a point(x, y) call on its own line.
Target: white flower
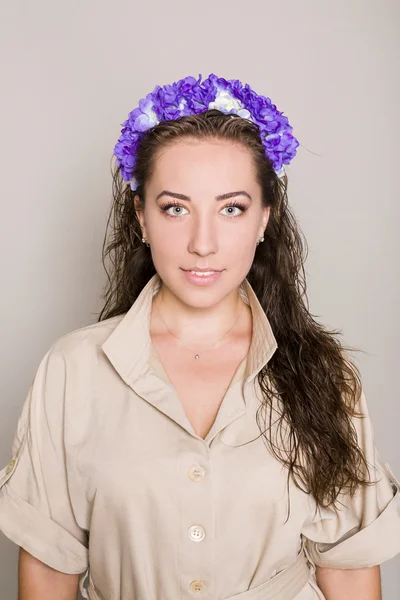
point(281, 172)
point(225, 102)
point(148, 118)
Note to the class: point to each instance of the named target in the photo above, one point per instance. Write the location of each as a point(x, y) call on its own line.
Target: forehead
point(192, 163)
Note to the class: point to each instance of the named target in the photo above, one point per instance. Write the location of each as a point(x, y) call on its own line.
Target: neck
point(196, 325)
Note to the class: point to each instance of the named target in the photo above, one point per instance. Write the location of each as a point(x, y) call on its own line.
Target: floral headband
point(188, 96)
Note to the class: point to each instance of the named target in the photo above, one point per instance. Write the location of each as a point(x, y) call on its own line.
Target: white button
point(196, 472)
point(197, 586)
point(196, 533)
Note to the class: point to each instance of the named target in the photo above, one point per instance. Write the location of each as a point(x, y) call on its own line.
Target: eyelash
point(235, 204)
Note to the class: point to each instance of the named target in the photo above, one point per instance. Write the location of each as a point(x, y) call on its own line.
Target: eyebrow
point(188, 199)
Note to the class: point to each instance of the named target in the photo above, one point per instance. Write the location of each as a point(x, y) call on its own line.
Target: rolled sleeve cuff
point(24, 525)
point(372, 545)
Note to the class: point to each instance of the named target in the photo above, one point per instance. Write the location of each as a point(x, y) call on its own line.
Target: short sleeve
point(365, 530)
point(36, 512)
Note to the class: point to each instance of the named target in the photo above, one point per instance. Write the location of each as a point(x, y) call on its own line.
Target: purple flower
point(193, 96)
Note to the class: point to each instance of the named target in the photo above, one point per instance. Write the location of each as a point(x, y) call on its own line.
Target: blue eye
point(166, 207)
point(235, 205)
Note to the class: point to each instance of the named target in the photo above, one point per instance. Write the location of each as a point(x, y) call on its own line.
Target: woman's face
point(198, 230)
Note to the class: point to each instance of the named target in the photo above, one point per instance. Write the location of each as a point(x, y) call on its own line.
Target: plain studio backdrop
point(70, 74)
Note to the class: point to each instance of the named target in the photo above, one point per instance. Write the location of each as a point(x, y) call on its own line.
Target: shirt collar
point(129, 345)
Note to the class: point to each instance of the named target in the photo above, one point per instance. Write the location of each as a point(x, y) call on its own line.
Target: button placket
point(197, 521)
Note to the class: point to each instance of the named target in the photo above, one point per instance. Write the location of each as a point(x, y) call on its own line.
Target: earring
point(260, 240)
point(145, 242)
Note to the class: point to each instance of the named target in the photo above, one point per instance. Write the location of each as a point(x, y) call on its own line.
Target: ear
point(139, 210)
point(265, 219)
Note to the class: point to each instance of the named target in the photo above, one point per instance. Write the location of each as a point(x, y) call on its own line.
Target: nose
point(203, 236)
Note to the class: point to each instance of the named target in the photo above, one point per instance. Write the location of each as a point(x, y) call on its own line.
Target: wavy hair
point(317, 384)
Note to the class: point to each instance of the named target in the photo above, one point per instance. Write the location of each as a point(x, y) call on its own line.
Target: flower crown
point(188, 96)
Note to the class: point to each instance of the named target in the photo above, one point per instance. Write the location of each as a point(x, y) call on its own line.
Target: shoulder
point(73, 377)
point(76, 355)
point(85, 342)
point(76, 359)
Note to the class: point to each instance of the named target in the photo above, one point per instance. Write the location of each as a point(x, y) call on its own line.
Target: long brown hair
point(318, 385)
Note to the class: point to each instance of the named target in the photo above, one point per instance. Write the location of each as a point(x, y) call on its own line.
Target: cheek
point(172, 241)
point(167, 245)
point(165, 234)
point(239, 243)
point(239, 250)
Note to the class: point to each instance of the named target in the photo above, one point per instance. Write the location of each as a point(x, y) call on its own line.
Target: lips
point(203, 270)
point(202, 278)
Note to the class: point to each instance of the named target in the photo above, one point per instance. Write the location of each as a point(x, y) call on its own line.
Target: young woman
point(206, 437)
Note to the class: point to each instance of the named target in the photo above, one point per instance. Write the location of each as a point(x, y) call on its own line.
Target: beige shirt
point(107, 478)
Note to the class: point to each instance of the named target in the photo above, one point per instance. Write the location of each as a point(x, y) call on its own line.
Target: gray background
point(71, 72)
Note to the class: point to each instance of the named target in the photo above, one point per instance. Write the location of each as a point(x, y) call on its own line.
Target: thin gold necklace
point(197, 355)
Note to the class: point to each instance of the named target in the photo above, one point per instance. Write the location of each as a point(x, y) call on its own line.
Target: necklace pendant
point(197, 356)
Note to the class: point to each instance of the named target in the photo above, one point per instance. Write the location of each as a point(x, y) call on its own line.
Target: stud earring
point(260, 240)
point(145, 242)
